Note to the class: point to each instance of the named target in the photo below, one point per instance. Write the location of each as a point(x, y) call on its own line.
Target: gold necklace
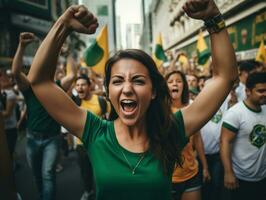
point(132, 168)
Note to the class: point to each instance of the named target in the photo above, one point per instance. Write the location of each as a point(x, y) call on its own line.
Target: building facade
point(25, 15)
point(105, 12)
point(146, 36)
point(133, 36)
point(245, 19)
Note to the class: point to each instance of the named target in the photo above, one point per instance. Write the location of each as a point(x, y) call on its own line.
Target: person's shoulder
point(234, 110)
point(10, 93)
point(263, 108)
point(95, 96)
point(240, 86)
point(237, 106)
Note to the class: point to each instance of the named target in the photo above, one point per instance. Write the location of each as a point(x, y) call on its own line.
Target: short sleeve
point(231, 120)
point(94, 127)
point(181, 129)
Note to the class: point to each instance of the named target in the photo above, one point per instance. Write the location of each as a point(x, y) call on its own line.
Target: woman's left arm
point(224, 70)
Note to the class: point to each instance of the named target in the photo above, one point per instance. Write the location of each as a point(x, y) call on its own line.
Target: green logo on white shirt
point(217, 117)
point(257, 136)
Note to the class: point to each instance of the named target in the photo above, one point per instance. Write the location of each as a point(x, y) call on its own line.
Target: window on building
point(102, 10)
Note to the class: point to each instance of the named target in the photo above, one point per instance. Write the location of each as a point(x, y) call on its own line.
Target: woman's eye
point(116, 82)
point(139, 82)
point(170, 82)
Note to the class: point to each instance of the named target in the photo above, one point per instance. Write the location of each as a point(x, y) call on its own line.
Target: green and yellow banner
point(202, 50)
point(97, 53)
point(159, 56)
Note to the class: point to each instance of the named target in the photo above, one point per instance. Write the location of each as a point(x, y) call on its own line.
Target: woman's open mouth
point(174, 90)
point(128, 105)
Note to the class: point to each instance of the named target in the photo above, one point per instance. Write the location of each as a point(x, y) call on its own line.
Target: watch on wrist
point(215, 24)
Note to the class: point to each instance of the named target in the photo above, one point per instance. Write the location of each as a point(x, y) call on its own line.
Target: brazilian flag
point(158, 54)
point(97, 53)
point(202, 50)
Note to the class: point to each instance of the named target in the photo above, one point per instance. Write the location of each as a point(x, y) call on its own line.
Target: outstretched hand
point(78, 18)
point(201, 9)
point(26, 38)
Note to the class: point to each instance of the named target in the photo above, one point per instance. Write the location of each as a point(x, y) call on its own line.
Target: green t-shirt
point(113, 176)
point(37, 117)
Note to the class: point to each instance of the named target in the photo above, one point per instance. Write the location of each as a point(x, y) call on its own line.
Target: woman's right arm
point(41, 75)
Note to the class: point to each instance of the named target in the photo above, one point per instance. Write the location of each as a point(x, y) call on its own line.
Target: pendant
point(133, 172)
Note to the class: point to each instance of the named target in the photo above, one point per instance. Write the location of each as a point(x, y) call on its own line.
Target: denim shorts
point(189, 185)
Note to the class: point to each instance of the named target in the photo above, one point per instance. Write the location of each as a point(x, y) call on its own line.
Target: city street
point(69, 185)
point(154, 100)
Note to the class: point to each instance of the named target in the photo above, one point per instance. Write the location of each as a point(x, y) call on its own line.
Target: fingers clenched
point(81, 12)
point(87, 19)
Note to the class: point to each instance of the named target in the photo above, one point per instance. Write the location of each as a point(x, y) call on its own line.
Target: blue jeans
point(249, 190)
point(42, 155)
point(213, 190)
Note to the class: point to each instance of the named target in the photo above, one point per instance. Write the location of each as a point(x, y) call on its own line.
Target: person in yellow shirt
point(186, 179)
point(96, 104)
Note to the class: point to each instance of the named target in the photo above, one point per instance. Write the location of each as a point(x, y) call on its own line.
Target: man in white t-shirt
point(210, 134)
point(243, 138)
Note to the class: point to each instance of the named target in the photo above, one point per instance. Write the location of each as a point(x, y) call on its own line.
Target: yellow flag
point(158, 53)
point(261, 54)
point(183, 60)
point(97, 53)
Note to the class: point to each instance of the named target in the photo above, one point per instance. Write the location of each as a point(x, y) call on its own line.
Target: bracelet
point(215, 24)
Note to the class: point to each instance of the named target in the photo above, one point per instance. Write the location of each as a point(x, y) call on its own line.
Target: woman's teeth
point(128, 105)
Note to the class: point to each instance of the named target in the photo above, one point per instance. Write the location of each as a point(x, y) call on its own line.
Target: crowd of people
point(139, 132)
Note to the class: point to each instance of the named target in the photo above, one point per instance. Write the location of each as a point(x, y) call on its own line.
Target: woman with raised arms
point(133, 155)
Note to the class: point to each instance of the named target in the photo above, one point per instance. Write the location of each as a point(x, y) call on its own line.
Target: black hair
point(255, 78)
point(84, 77)
point(246, 66)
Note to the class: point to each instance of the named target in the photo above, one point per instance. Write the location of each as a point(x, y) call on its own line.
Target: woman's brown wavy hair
point(161, 126)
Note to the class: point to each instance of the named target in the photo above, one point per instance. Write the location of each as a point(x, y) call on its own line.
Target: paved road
point(69, 185)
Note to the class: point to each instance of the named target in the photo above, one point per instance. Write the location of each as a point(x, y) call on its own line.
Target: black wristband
point(215, 24)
